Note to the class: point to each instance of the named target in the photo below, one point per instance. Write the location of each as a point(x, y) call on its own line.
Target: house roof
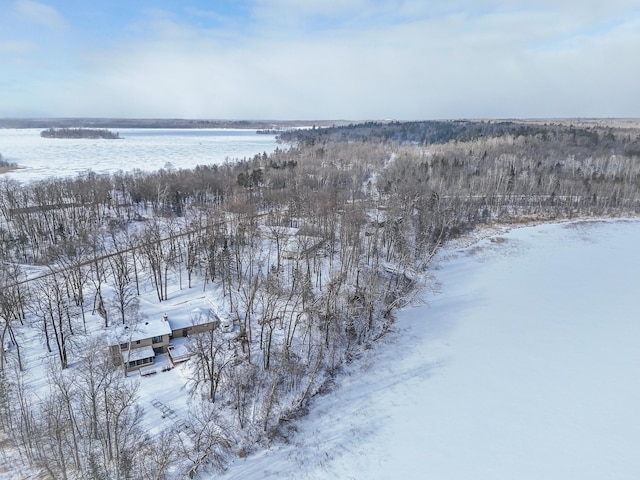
point(197, 316)
point(153, 327)
point(137, 354)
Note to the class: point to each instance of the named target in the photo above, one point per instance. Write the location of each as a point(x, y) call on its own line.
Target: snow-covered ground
point(523, 364)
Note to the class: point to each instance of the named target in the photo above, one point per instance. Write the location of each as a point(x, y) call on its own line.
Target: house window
point(123, 346)
point(137, 342)
point(157, 339)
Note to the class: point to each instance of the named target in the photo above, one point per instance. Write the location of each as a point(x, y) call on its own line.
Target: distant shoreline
point(9, 168)
point(275, 125)
point(120, 123)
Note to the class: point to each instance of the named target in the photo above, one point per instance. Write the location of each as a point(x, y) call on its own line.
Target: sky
point(329, 59)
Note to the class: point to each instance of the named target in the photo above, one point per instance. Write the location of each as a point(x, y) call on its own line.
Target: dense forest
point(313, 248)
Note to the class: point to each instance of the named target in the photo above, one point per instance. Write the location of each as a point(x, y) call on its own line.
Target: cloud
point(398, 73)
point(362, 60)
point(40, 14)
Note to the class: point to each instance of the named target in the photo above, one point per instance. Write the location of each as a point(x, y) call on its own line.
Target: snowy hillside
point(524, 364)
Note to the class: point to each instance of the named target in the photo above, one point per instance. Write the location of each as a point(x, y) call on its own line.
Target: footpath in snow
point(523, 364)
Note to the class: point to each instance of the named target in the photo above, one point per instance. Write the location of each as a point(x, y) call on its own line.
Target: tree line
point(5, 163)
point(79, 133)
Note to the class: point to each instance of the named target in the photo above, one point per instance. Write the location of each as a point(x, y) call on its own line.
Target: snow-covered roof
point(197, 316)
point(137, 354)
point(149, 328)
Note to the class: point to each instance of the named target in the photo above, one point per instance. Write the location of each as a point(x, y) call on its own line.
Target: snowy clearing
point(522, 365)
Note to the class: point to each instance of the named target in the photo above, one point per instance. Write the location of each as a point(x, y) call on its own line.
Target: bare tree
point(125, 295)
point(65, 392)
point(212, 353)
point(155, 456)
point(269, 298)
point(72, 258)
point(155, 252)
point(12, 304)
point(122, 433)
point(55, 313)
point(53, 452)
point(211, 444)
point(243, 378)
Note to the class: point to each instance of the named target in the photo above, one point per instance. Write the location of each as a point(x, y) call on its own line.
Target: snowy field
point(139, 148)
point(524, 364)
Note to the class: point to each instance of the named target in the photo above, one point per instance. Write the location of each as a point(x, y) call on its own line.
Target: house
point(137, 345)
point(293, 244)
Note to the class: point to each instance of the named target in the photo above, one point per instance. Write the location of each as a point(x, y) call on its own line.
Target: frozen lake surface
point(144, 149)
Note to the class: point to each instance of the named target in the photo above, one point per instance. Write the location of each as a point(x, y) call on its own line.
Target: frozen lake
point(140, 148)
